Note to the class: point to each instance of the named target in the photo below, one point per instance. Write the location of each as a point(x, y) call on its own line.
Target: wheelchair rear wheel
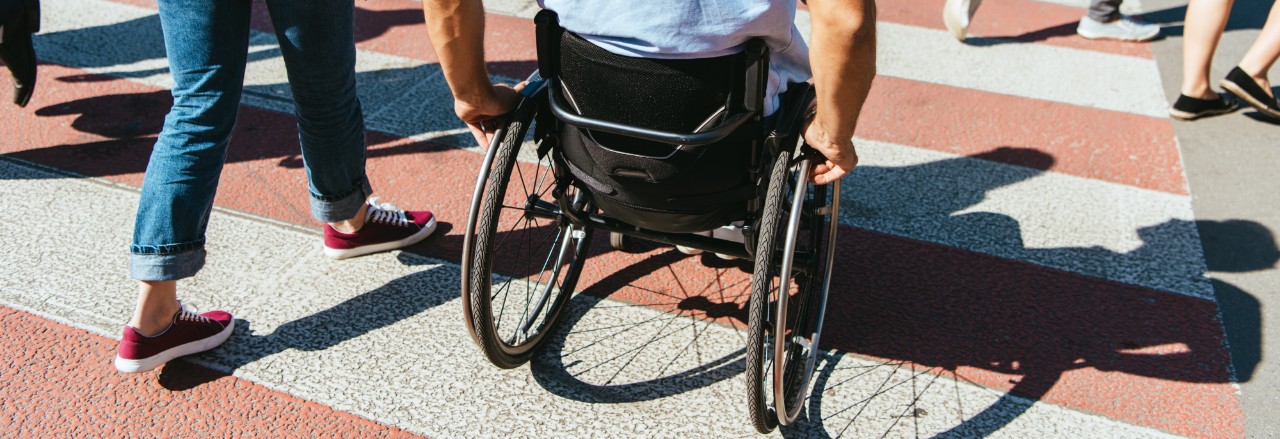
point(789, 290)
point(523, 260)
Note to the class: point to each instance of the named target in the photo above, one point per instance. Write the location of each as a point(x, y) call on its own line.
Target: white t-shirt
point(682, 29)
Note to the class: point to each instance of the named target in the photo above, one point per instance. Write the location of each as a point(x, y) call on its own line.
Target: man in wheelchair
point(662, 119)
point(843, 38)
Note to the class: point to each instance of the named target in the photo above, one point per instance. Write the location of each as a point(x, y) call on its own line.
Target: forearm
point(843, 59)
point(456, 29)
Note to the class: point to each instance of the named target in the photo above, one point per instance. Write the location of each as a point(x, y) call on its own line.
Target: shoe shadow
point(1258, 116)
point(388, 304)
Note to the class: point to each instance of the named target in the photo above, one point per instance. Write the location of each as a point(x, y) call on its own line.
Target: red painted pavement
point(395, 27)
point(58, 381)
point(1112, 146)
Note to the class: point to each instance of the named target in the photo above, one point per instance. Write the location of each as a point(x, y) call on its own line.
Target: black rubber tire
point(480, 292)
point(759, 321)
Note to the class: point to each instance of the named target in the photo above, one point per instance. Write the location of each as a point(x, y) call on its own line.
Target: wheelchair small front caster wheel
point(620, 241)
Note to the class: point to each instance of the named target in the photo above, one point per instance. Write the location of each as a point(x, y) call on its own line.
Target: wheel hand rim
point(787, 414)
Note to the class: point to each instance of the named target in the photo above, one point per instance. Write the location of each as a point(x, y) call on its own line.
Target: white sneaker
point(1124, 29)
point(957, 14)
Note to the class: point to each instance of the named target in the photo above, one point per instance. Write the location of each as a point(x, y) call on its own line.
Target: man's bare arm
point(456, 29)
point(843, 59)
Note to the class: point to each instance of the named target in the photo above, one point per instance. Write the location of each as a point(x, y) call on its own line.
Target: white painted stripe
point(381, 336)
point(1037, 71)
point(1092, 227)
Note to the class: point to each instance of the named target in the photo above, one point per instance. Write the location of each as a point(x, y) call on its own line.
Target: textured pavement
point(1017, 260)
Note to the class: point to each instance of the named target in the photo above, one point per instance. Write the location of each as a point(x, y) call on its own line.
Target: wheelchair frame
point(785, 366)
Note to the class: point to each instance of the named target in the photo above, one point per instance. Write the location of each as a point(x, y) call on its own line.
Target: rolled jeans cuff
point(341, 208)
point(166, 266)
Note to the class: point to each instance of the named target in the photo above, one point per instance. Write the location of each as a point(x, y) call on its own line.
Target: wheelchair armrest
point(716, 134)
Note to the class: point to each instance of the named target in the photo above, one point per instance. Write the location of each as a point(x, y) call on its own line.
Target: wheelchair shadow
point(973, 321)
point(598, 362)
point(912, 323)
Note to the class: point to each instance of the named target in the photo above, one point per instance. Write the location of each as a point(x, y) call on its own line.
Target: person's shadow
point(911, 305)
point(1244, 15)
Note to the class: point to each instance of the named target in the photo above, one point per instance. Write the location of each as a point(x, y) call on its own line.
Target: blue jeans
point(207, 44)
point(1105, 11)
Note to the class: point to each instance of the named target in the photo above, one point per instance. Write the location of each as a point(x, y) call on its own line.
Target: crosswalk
point(1020, 253)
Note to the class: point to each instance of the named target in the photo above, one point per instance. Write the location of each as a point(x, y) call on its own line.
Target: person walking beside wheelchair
point(207, 45)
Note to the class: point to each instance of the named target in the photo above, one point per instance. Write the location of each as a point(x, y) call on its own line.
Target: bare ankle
point(151, 326)
point(354, 224)
point(1206, 94)
point(157, 304)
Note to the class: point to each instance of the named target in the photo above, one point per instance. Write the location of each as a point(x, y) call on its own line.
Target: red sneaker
point(386, 227)
point(188, 334)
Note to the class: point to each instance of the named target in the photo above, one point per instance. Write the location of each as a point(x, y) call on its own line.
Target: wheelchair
point(662, 174)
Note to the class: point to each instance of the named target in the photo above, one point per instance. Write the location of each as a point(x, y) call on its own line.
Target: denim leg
point(318, 43)
point(1105, 11)
point(206, 42)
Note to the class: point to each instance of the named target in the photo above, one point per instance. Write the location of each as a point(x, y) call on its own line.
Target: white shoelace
point(387, 213)
point(190, 314)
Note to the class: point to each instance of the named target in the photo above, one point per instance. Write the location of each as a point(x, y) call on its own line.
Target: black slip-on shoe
point(1189, 108)
point(1244, 87)
point(21, 18)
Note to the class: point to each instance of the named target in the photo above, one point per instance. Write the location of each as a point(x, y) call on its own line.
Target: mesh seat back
point(664, 187)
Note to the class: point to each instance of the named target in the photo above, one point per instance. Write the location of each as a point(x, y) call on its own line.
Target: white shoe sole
point(1248, 98)
point(1188, 116)
point(154, 361)
point(1133, 38)
point(426, 231)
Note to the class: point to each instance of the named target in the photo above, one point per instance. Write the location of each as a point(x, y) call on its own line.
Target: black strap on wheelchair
point(755, 61)
point(749, 90)
point(548, 33)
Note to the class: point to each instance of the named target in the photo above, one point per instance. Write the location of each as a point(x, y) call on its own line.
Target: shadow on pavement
point(595, 363)
point(941, 314)
point(121, 128)
point(1237, 246)
point(397, 300)
point(1245, 15)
